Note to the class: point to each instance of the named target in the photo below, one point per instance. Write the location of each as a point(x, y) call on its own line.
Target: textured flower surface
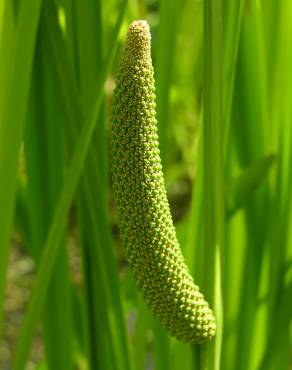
point(146, 225)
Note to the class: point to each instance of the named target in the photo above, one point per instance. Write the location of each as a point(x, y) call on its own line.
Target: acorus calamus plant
point(146, 225)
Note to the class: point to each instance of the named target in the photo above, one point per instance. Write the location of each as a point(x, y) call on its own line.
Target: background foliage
point(224, 106)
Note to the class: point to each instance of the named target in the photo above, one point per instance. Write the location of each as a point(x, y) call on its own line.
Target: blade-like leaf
point(213, 163)
point(58, 225)
point(17, 47)
point(102, 305)
point(239, 189)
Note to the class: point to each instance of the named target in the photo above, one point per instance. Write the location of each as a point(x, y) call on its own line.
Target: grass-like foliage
point(223, 85)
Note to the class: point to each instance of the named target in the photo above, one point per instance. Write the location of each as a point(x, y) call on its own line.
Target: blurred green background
point(224, 107)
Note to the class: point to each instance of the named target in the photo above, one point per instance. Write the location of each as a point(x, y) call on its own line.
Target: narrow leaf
point(239, 189)
point(58, 225)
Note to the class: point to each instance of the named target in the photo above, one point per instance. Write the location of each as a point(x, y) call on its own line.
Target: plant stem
point(213, 171)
